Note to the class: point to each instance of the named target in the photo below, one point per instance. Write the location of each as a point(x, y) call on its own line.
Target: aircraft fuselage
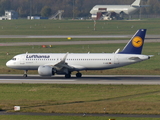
point(80, 61)
point(127, 9)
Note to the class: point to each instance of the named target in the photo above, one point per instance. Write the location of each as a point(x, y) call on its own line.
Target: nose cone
point(91, 11)
point(94, 10)
point(9, 64)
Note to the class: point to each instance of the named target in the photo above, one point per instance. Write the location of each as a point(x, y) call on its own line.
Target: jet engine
point(45, 70)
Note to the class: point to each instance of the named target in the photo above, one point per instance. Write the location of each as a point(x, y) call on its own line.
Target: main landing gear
point(25, 73)
point(78, 75)
point(68, 75)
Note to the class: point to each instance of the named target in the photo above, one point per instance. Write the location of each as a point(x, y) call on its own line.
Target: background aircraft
point(48, 64)
point(109, 12)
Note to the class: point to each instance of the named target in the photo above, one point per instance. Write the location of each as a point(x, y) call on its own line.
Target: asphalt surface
point(75, 36)
point(64, 36)
point(73, 42)
point(81, 114)
point(149, 39)
point(86, 79)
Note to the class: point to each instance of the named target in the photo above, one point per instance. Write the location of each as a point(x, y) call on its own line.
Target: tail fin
point(136, 3)
point(135, 45)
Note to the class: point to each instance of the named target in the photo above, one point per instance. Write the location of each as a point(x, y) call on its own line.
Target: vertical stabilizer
point(136, 3)
point(135, 45)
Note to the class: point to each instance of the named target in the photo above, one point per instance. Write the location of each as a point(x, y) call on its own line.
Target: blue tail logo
point(135, 45)
point(137, 42)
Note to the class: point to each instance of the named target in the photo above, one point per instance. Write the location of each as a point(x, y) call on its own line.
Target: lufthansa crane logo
point(137, 41)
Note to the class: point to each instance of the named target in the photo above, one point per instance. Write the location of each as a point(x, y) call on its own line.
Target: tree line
point(72, 8)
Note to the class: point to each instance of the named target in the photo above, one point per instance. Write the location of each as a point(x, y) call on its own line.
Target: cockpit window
point(13, 58)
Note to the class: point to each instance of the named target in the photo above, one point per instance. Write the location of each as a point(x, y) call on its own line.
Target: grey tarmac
point(80, 114)
point(75, 36)
point(149, 39)
point(64, 36)
point(86, 79)
point(73, 42)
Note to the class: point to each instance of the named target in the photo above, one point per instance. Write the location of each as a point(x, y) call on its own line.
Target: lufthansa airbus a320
point(49, 64)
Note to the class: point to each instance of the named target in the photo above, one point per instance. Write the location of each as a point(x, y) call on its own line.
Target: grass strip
point(54, 98)
point(76, 27)
point(26, 117)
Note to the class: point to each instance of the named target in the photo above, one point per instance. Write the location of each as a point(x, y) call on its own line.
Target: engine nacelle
point(45, 70)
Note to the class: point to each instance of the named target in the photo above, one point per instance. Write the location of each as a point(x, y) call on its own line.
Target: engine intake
point(44, 70)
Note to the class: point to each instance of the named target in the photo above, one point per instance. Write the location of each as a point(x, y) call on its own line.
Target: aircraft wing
point(63, 66)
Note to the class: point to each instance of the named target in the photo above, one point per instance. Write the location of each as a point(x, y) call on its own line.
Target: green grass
point(54, 98)
point(76, 27)
point(26, 117)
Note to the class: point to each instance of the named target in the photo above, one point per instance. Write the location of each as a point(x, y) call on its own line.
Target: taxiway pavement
point(86, 79)
point(149, 39)
point(74, 42)
point(74, 36)
point(82, 114)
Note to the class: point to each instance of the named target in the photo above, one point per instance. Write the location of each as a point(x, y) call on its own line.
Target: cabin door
point(22, 60)
point(116, 61)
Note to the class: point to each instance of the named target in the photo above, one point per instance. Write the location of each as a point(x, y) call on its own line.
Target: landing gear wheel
point(67, 75)
point(79, 75)
point(25, 75)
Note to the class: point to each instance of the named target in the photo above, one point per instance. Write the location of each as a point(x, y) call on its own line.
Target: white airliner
point(114, 11)
point(49, 64)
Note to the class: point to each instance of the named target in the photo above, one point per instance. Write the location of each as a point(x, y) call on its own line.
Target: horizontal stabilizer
point(134, 58)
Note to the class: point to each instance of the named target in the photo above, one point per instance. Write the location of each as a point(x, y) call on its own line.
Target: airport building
point(9, 15)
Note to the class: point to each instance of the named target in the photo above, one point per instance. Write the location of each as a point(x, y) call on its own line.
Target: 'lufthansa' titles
point(137, 41)
point(37, 56)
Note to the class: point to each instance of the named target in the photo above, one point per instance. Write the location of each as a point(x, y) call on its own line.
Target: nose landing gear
point(25, 73)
